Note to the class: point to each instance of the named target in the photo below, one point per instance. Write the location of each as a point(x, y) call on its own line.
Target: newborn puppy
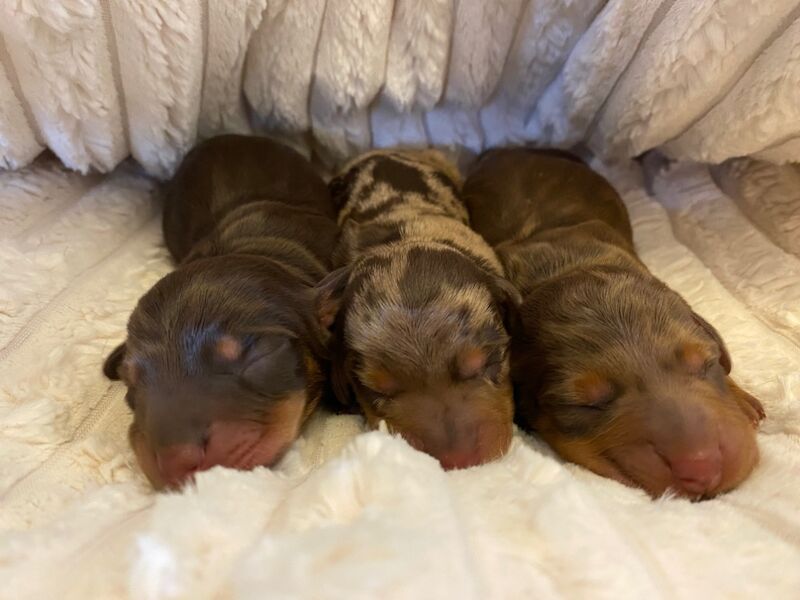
point(224, 355)
point(611, 367)
point(419, 309)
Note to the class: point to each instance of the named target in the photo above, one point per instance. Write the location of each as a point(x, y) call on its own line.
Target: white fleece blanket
point(349, 514)
point(98, 80)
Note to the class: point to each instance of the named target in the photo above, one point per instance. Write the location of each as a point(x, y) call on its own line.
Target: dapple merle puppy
point(419, 309)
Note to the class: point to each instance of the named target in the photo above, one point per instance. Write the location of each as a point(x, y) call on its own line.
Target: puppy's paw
point(750, 406)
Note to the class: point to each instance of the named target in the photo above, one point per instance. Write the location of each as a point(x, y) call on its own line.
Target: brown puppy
point(423, 302)
point(223, 359)
point(611, 367)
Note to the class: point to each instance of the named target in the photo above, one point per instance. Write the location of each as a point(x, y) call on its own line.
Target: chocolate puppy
point(419, 309)
point(611, 367)
point(224, 355)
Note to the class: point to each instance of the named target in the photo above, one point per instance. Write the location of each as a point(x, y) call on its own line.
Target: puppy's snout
point(472, 444)
point(179, 462)
point(698, 472)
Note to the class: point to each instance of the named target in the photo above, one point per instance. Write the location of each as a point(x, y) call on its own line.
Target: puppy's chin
point(236, 443)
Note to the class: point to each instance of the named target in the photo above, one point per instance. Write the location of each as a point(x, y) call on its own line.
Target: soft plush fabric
point(349, 514)
point(97, 80)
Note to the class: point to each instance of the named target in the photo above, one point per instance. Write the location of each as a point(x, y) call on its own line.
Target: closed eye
point(707, 367)
point(597, 408)
point(600, 403)
point(376, 398)
point(491, 369)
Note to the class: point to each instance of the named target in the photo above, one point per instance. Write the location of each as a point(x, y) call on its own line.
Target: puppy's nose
point(460, 458)
point(698, 472)
point(179, 462)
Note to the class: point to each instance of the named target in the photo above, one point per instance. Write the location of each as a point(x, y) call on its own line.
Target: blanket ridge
point(706, 79)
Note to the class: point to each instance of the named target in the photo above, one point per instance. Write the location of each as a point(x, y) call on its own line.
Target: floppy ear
point(271, 363)
point(341, 367)
point(341, 187)
point(328, 296)
point(509, 300)
point(111, 367)
point(725, 357)
point(749, 404)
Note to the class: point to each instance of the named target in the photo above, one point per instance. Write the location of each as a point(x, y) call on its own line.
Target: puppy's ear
point(509, 300)
point(340, 381)
point(341, 187)
point(271, 363)
point(724, 357)
point(329, 294)
point(113, 364)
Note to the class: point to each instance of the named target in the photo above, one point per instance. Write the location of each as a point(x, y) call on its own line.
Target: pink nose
point(460, 458)
point(699, 472)
point(179, 462)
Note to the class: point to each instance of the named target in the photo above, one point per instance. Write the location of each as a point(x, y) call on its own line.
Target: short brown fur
point(224, 359)
point(611, 367)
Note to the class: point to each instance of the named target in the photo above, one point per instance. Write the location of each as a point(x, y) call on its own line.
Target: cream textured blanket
point(352, 515)
point(359, 515)
point(97, 80)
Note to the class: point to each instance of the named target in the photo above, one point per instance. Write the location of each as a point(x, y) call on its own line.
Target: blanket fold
point(97, 80)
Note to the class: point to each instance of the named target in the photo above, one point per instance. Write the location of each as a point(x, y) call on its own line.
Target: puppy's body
point(223, 358)
point(611, 367)
point(231, 171)
point(422, 308)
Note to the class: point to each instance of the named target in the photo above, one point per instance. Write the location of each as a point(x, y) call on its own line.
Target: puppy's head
point(424, 348)
point(618, 374)
point(221, 365)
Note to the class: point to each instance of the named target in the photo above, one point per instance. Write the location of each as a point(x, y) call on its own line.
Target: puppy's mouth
point(485, 443)
point(696, 475)
point(640, 466)
point(240, 444)
point(244, 445)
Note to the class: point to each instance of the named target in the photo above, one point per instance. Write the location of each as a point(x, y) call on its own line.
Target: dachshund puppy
point(611, 367)
point(419, 309)
point(224, 356)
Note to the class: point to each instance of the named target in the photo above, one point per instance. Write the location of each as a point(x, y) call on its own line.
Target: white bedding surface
point(354, 515)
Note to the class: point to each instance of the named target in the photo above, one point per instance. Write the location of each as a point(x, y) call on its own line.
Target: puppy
point(224, 356)
point(419, 309)
point(611, 367)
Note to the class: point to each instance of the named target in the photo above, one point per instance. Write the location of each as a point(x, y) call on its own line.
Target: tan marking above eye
point(692, 356)
point(471, 361)
point(228, 348)
point(593, 388)
point(380, 380)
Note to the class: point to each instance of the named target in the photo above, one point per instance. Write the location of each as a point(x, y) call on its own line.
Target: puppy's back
point(514, 193)
point(228, 171)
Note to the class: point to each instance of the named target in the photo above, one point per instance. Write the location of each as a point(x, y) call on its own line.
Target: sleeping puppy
point(611, 367)
point(224, 355)
point(419, 310)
